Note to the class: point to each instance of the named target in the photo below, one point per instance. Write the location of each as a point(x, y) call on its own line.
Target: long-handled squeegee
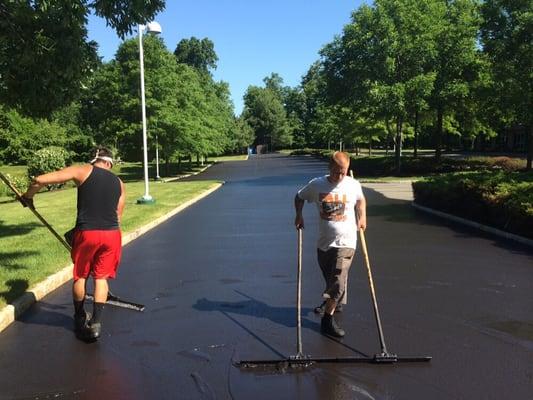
point(111, 298)
point(301, 360)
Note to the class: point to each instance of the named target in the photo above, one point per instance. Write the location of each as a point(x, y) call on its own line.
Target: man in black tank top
point(96, 246)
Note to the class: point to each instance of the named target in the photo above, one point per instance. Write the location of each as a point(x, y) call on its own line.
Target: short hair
point(102, 153)
point(339, 158)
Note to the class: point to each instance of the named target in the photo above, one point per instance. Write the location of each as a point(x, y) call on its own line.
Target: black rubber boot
point(329, 327)
point(322, 308)
point(80, 323)
point(91, 331)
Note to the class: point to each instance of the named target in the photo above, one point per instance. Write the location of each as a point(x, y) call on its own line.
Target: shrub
point(20, 183)
point(21, 136)
point(47, 160)
point(496, 198)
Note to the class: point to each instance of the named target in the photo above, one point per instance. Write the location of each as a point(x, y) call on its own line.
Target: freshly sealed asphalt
point(219, 284)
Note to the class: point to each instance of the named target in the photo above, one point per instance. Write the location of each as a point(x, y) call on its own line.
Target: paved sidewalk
point(398, 190)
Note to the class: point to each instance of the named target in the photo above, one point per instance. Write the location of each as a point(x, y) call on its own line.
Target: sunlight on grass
point(240, 157)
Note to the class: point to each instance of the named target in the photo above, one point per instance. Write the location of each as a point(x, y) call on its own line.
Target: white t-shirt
point(336, 207)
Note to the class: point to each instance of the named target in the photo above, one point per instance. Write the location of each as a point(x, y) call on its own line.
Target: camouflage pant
point(335, 264)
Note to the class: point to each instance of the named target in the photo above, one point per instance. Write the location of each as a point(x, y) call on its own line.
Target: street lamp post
point(155, 28)
point(157, 158)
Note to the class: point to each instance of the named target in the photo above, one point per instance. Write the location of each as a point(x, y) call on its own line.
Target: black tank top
point(97, 201)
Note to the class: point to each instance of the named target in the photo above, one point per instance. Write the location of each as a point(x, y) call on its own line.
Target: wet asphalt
point(219, 284)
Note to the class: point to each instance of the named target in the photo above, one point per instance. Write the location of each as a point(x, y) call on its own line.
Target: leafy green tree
point(44, 51)
point(21, 136)
point(296, 109)
point(264, 112)
point(112, 105)
point(457, 64)
point(187, 113)
point(381, 60)
point(506, 36)
point(79, 141)
point(199, 54)
point(241, 135)
point(274, 82)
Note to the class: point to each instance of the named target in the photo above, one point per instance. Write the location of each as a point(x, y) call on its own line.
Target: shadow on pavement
point(285, 316)
point(43, 313)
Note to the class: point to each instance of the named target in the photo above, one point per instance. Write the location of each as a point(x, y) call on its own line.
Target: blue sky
point(252, 38)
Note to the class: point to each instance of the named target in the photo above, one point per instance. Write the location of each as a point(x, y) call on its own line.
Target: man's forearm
point(361, 212)
point(298, 205)
point(33, 188)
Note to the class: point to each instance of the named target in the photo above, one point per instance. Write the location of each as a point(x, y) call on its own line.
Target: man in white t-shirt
point(338, 198)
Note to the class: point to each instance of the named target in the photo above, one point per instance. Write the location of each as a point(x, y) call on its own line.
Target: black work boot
point(322, 308)
point(329, 327)
point(80, 322)
point(93, 330)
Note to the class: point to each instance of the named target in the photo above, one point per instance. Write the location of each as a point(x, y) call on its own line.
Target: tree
point(44, 51)
point(241, 136)
point(199, 54)
point(457, 65)
point(380, 62)
point(21, 136)
point(264, 112)
point(112, 104)
point(186, 111)
point(506, 37)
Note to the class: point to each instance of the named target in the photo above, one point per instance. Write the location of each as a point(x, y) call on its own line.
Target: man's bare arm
point(298, 206)
point(360, 208)
point(76, 173)
point(121, 201)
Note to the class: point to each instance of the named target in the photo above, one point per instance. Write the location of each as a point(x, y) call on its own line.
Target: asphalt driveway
point(218, 282)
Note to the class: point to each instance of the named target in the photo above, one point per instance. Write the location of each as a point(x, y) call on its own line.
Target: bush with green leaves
point(376, 166)
point(20, 183)
point(47, 160)
point(497, 198)
point(21, 136)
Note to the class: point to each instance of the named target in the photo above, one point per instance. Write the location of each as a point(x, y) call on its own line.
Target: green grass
point(29, 253)
point(240, 157)
point(14, 170)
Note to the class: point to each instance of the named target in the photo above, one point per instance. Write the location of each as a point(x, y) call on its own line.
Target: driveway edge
point(477, 225)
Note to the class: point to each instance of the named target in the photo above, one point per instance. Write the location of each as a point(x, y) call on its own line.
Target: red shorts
point(96, 253)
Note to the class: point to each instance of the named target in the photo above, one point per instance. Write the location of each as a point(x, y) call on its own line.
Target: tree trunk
point(389, 134)
point(179, 163)
point(415, 142)
point(197, 159)
point(167, 167)
point(398, 145)
point(529, 141)
point(438, 133)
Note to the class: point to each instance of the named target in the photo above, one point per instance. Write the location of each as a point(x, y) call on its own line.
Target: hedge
point(376, 166)
point(500, 199)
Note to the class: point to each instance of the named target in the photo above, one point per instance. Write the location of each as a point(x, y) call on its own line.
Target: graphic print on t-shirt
point(332, 206)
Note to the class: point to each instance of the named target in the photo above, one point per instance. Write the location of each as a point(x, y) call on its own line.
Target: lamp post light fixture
point(154, 28)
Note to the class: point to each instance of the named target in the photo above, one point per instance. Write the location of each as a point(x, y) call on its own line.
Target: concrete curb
point(12, 311)
point(485, 228)
point(177, 178)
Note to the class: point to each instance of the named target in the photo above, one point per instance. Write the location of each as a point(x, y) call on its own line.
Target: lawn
point(241, 157)
point(29, 253)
